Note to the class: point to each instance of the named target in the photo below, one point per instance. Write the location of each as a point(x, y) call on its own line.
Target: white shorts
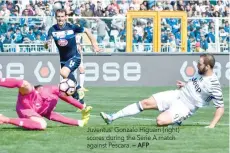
point(170, 101)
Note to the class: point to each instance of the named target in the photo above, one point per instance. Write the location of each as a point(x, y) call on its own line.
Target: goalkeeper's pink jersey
point(39, 100)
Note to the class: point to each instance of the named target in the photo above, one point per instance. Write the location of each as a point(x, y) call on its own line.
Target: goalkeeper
point(36, 102)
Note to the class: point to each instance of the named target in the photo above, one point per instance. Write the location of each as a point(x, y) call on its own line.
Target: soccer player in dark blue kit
point(63, 34)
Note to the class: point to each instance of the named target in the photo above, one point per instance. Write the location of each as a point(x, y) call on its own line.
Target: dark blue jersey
point(65, 40)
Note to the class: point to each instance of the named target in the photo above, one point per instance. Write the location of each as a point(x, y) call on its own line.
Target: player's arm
point(219, 104)
point(79, 29)
point(180, 84)
point(70, 100)
point(217, 116)
point(65, 98)
point(48, 39)
point(47, 44)
point(92, 39)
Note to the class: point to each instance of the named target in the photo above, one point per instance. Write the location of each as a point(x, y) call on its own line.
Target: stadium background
point(26, 22)
point(23, 28)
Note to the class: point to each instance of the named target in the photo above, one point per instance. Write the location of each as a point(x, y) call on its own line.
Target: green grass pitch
point(58, 138)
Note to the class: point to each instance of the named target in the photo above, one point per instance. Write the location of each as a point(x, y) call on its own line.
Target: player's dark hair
point(37, 86)
point(209, 60)
point(60, 11)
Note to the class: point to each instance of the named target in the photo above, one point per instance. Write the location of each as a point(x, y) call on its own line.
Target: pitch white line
point(129, 118)
point(153, 119)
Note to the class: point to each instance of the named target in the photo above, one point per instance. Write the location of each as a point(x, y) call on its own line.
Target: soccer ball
point(56, 6)
point(67, 86)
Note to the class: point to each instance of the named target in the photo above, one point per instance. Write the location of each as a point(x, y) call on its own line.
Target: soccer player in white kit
point(177, 105)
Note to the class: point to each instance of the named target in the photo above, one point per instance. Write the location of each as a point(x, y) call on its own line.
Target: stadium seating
point(23, 26)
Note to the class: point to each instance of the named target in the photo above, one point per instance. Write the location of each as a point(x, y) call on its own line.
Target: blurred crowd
point(89, 8)
point(32, 27)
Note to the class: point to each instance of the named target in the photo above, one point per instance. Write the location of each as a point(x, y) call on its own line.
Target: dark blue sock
point(76, 95)
point(72, 77)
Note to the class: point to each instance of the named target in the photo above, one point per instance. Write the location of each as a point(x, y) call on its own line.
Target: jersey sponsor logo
point(196, 85)
point(58, 35)
point(62, 34)
point(69, 32)
point(62, 42)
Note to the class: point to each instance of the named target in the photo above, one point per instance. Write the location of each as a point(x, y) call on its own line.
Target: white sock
point(129, 110)
point(80, 123)
point(82, 79)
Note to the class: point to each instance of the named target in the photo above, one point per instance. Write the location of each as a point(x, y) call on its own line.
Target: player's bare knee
point(149, 103)
point(144, 103)
point(64, 72)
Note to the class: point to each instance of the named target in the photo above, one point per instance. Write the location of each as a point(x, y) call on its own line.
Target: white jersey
point(201, 90)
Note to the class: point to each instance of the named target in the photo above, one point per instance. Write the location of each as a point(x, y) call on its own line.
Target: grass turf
point(58, 138)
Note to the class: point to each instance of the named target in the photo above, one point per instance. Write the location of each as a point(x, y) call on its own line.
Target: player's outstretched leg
point(72, 101)
point(86, 112)
point(70, 121)
point(32, 123)
point(106, 117)
point(79, 93)
point(127, 111)
point(84, 109)
point(65, 120)
point(67, 72)
point(130, 110)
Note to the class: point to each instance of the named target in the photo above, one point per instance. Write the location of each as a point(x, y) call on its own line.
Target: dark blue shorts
point(73, 63)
